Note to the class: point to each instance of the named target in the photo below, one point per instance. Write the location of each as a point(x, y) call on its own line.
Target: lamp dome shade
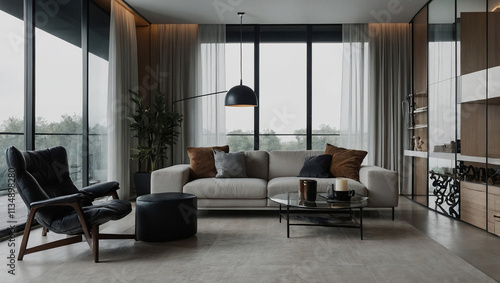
point(242, 96)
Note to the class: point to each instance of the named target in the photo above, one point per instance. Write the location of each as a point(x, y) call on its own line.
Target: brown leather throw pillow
point(202, 162)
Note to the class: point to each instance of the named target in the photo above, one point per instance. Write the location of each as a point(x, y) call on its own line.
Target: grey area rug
point(252, 247)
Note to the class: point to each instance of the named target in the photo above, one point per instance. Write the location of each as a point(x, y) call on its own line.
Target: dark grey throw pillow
point(230, 165)
point(317, 166)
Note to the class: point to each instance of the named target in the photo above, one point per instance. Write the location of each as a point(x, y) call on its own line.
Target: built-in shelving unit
point(455, 110)
point(415, 175)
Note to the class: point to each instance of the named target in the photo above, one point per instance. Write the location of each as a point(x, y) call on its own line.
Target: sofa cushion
point(345, 162)
point(257, 164)
point(317, 166)
point(291, 184)
point(201, 160)
point(230, 165)
point(286, 163)
point(230, 188)
point(231, 203)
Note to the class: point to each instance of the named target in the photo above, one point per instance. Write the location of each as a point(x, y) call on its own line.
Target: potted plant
point(156, 129)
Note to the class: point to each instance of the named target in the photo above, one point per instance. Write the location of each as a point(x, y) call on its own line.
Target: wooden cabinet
point(473, 42)
point(494, 209)
point(473, 204)
point(420, 180)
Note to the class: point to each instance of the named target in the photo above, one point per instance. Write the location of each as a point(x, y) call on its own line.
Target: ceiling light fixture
point(241, 95)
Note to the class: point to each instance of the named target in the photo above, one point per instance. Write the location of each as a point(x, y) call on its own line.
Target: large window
point(283, 96)
point(58, 82)
point(12, 97)
point(297, 76)
point(98, 93)
point(64, 112)
point(326, 93)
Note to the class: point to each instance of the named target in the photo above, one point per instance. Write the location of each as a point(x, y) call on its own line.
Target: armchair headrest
point(49, 167)
point(15, 159)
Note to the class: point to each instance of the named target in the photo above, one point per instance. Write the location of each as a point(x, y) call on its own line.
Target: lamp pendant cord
point(241, 49)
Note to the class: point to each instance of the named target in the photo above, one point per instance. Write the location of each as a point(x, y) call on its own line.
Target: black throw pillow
point(317, 166)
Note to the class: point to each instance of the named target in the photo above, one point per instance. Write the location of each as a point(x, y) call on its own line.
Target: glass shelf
point(419, 126)
point(420, 110)
point(414, 153)
point(420, 94)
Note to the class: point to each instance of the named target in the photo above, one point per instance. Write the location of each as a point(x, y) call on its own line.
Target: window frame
point(284, 33)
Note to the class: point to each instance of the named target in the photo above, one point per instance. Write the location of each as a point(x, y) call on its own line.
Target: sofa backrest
point(287, 163)
point(257, 164)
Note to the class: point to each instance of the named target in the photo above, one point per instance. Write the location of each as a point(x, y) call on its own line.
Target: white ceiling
point(277, 11)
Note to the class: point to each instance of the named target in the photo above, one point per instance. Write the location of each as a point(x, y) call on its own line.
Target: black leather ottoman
point(165, 217)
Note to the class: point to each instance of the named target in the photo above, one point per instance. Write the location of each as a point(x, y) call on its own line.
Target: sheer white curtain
point(211, 78)
point(177, 58)
point(193, 57)
point(375, 80)
point(390, 65)
point(122, 77)
point(354, 98)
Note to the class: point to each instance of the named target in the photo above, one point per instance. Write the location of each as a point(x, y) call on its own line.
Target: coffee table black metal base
point(338, 218)
point(308, 212)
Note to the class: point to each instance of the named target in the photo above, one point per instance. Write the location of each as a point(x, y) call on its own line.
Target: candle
point(341, 184)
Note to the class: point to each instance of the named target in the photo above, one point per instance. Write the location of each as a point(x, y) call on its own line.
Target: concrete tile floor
point(251, 246)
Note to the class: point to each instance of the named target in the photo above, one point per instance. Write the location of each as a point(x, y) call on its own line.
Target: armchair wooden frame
point(92, 235)
point(112, 194)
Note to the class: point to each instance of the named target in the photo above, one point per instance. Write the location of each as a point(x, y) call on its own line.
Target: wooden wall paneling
point(420, 101)
point(422, 133)
point(420, 118)
point(493, 130)
point(493, 39)
point(472, 42)
point(154, 57)
point(406, 186)
point(420, 52)
point(143, 60)
point(420, 177)
point(473, 204)
point(473, 129)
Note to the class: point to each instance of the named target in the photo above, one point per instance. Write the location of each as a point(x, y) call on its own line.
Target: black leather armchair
point(43, 181)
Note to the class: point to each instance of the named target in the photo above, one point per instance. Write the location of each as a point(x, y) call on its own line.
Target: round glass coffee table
point(321, 212)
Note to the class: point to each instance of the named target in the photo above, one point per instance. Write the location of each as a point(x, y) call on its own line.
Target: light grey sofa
point(270, 174)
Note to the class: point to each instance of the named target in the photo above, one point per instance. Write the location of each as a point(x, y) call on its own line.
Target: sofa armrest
point(382, 185)
point(170, 179)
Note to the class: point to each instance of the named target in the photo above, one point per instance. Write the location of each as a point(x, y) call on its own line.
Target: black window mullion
point(309, 89)
point(85, 92)
point(29, 74)
point(256, 115)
